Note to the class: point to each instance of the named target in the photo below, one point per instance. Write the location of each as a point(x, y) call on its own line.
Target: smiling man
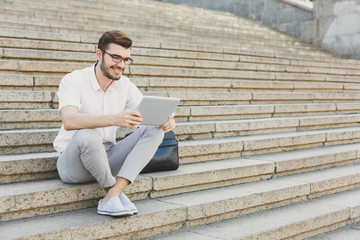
point(93, 103)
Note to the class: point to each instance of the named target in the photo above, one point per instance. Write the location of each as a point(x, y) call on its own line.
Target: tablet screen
point(156, 110)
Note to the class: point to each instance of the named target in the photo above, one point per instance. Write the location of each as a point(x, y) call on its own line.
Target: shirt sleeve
point(134, 96)
point(68, 93)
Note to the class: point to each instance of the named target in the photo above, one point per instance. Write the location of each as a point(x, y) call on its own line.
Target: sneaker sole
point(116, 214)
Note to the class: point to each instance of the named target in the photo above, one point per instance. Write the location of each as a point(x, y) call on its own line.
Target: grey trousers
point(85, 158)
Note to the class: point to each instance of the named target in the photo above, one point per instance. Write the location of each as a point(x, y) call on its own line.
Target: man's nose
point(121, 64)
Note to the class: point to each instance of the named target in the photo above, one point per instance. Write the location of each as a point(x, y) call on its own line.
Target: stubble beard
point(106, 72)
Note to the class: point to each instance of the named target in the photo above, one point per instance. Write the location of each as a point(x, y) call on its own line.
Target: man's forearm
point(73, 120)
point(80, 121)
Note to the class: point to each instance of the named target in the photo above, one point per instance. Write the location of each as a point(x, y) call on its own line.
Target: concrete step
point(164, 67)
point(324, 115)
point(130, 15)
point(48, 118)
point(44, 197)
point(27, 99)
point(16, 38)
point(288, 44)
point(37, 67)
point(244, 47)
point(215, 174)
point(37, 166)
point(270, 110)
point(13, 99)
point(221, 73)
point(186, 179)
point(46, 55)
point(258, 82)
point(350, 232)
point(12, 39)
point(42, 38)
point(28, 167)
point(178, 61)
point(229, 200)
point(57, 42)
point(214, 149)
point(161, 34)
point(170, 58)
point(24, 37)
point(140, 14)
point(299, 221)
point(29, 119)
point(230, 128)
point(67, 22)
point(188, 209)
point(305, 160)
point(199, 113)
point(133, 8)
point(211, 146)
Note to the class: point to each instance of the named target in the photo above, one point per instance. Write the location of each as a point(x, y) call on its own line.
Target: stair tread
point(85, 217)
point(220, 140)
point(224, 193)
point(350, 232)
point(266, 136)
point(179, 123)
point(190, 202)
point(162, 57)
point(195, 167)
point(78, 38)
point(283, 222)
point(193, 174)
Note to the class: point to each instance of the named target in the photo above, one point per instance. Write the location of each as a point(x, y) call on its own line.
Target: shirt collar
point(95, 85)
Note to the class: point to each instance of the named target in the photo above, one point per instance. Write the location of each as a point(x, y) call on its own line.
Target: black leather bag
point(166, 157)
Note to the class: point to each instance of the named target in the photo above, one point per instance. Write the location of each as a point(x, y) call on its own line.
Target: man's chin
point(116, 77)
point(112, 77)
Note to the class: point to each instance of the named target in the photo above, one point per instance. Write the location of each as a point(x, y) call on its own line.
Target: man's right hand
point(129, 118)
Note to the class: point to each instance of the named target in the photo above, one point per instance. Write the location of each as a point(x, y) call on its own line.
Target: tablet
point(156, 110)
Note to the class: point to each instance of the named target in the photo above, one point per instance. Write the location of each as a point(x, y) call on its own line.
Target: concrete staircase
point(268, 126)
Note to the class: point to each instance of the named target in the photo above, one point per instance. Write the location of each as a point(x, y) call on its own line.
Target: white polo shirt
point(81, 89)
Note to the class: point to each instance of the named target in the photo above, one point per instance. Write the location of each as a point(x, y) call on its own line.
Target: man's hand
point(169, 124)
point(129, 118)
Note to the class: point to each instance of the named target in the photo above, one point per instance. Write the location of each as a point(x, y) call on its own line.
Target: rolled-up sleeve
point(68, 94)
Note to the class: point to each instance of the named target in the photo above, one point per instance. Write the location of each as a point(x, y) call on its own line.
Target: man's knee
point(157, 134)
point(89, 138)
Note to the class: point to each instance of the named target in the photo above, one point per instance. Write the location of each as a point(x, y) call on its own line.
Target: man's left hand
point(169, 124)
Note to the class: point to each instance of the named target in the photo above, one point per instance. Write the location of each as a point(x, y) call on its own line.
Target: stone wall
point(274, 13)
point(334, 25)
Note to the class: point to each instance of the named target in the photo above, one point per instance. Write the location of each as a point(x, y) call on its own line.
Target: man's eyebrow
point(116, 55)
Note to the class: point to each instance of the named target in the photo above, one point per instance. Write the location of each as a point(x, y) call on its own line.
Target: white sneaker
point(127, 203)
point(113, 207)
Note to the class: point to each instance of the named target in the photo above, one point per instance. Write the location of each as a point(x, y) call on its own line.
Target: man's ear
point(98, 54)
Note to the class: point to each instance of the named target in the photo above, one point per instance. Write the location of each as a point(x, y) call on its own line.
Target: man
point(93, 103)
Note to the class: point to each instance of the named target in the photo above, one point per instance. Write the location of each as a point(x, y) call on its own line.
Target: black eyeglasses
point(118, 59)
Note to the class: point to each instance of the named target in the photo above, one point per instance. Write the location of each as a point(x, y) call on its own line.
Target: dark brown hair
point(116, 37)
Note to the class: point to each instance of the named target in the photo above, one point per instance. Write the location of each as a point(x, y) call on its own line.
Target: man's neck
point(103, 81)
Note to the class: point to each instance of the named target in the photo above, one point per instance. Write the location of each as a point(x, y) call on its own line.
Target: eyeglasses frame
point(122, 59)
